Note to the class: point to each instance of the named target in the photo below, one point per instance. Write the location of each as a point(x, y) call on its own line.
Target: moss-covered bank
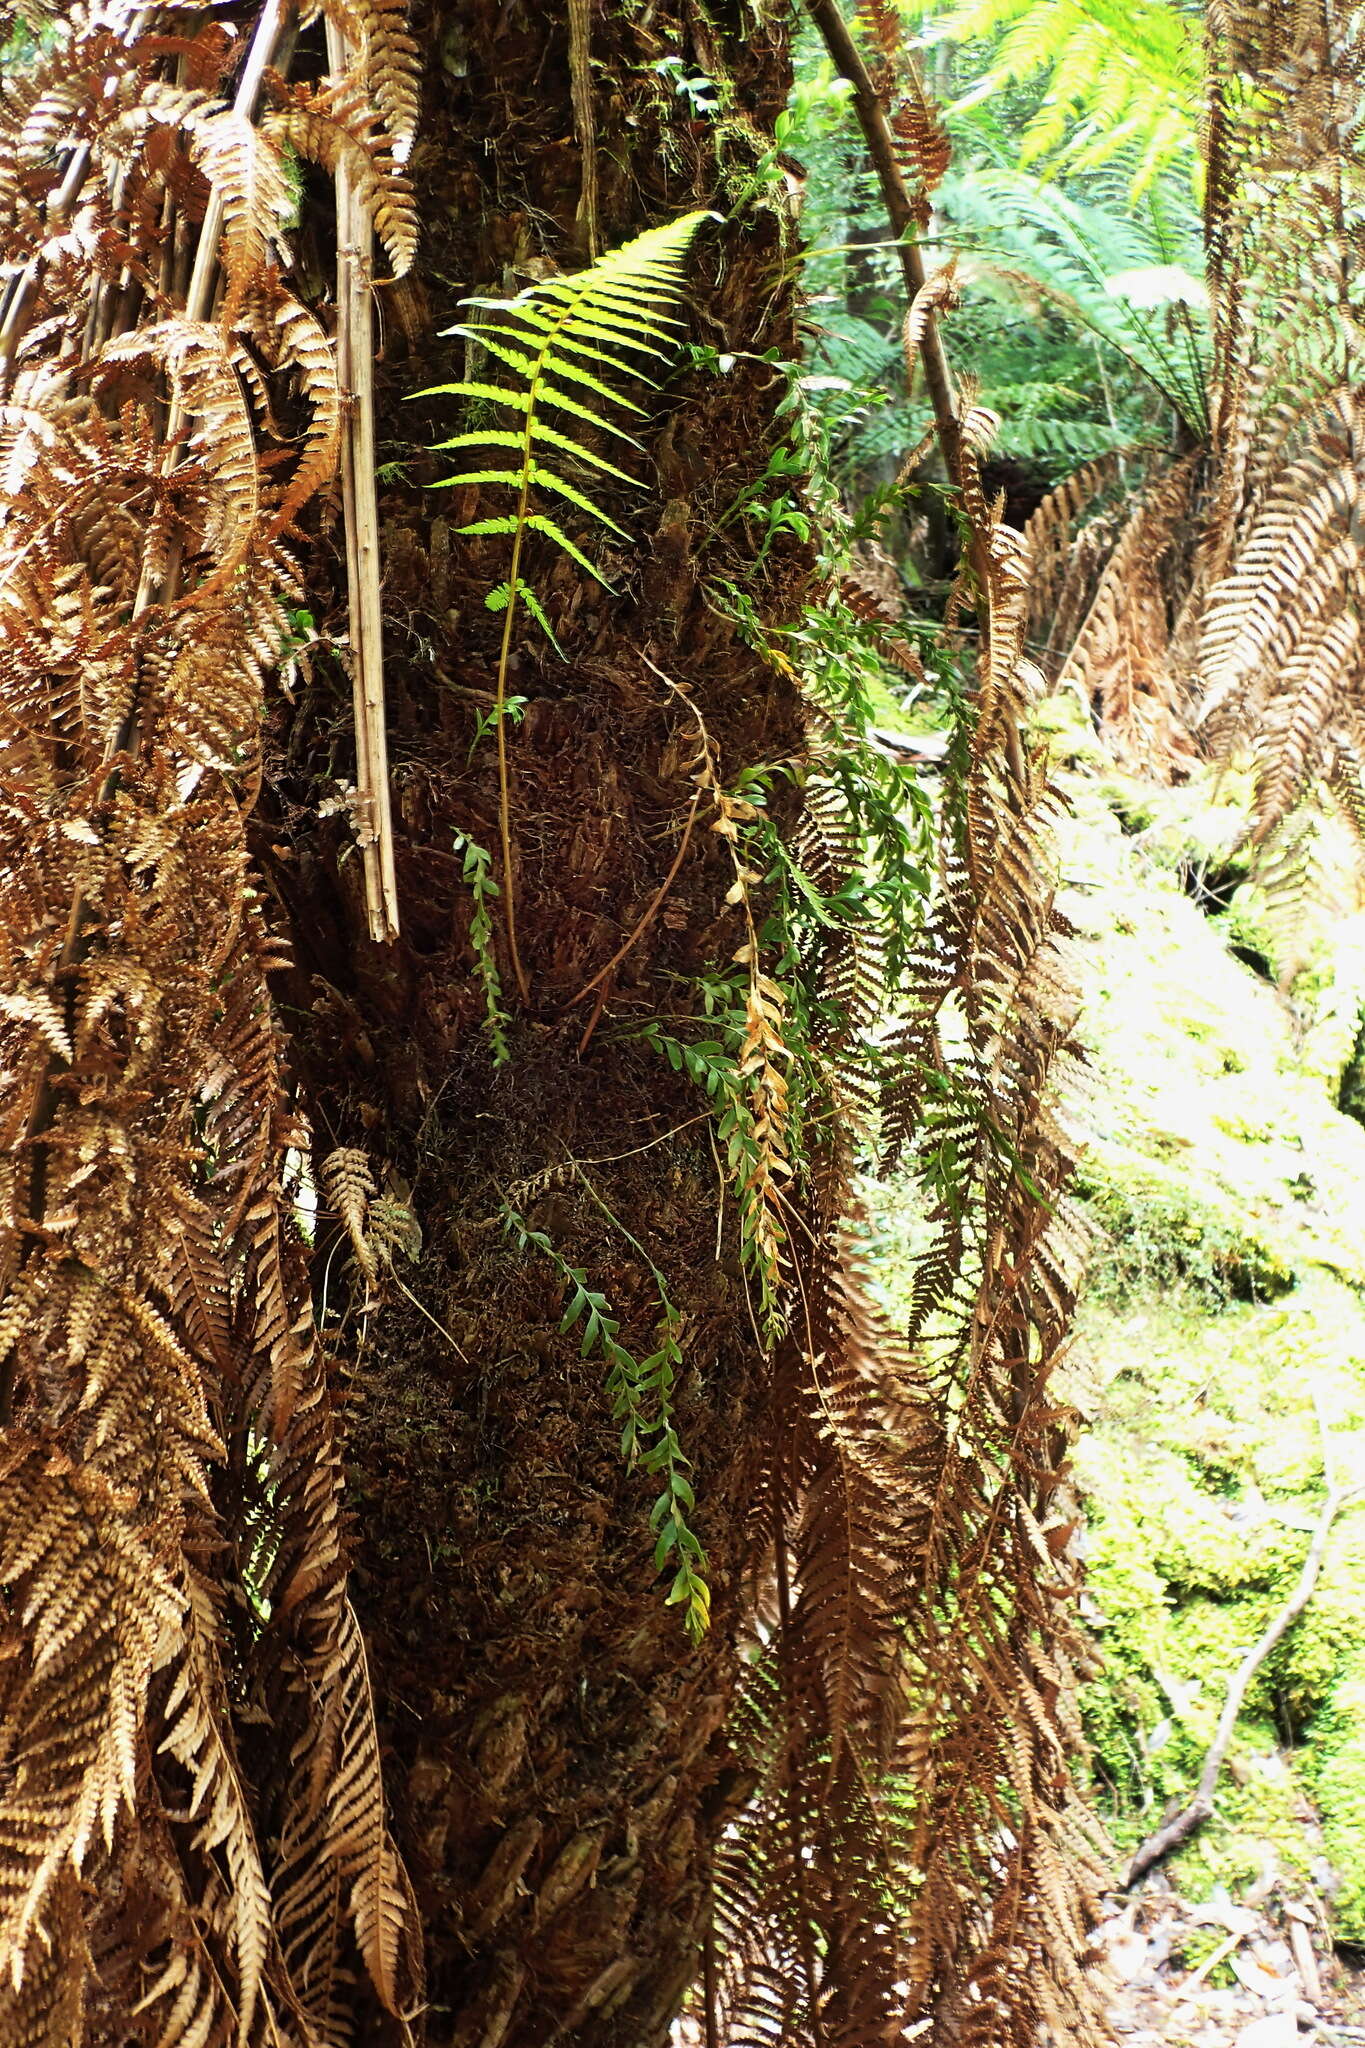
point(1226, 1321)
point(1225, 1318)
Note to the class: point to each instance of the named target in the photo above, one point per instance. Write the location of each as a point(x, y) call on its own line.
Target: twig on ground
point(1178, 1830)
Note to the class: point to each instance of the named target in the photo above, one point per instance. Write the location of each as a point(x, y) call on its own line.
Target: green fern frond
point(500, 596)
point(605, 326)
point(1132, 277)
point(1120, 77)
point(492, 437)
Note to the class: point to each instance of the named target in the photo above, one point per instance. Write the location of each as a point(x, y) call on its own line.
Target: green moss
point(1160, 1221)
point(1258, 1821)
point(1196, 1945)
point(1336, 1775)
point(1329, 1640)
point(1224, 1308)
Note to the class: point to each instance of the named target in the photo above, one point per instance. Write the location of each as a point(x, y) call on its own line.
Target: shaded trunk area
point(555, 1746)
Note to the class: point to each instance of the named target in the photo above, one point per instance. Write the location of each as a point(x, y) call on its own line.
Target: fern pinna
point(916, 1857)
point(592, 332)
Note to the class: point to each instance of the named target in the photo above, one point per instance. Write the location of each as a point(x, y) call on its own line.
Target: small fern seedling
point(567, 341)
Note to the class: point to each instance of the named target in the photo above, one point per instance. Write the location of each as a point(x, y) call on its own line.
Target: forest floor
point(1277, 1987)
point(1224, 1324)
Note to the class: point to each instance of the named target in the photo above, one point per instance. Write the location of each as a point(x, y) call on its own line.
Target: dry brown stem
point(355, 375)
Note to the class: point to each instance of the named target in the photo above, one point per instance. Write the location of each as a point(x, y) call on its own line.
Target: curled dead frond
point(1121, 655)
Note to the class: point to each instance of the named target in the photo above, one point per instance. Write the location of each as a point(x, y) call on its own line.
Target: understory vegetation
point(1225, 1327)
point(682, 988)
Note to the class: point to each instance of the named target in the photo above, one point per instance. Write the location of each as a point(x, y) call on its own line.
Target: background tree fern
point(1116, 76)
point(1129, 272)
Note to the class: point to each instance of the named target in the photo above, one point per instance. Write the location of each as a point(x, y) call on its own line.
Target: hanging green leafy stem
point(641, 1391)
point(562, 332)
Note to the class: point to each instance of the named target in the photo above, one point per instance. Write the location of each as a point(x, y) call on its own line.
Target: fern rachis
point(561, 330)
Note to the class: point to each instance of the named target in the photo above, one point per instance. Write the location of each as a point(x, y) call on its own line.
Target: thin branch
point(922, 330)
point(881, 147)
point(1200, 1808)
point(355, 375)
point(651, 912)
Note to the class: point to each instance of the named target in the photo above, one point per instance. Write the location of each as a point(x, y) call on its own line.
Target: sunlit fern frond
point(574, 345)
point(1117, 73)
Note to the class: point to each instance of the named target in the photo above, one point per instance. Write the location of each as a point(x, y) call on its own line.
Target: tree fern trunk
point(556, 1753)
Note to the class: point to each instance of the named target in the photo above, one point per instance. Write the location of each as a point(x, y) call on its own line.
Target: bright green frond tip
point(1120, 78)
point(580, 346)
point(568, 346)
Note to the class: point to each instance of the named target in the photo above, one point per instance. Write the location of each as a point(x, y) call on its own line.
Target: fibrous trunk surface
point(554, 1745)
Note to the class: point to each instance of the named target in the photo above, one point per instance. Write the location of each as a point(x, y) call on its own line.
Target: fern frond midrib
point(611, 307)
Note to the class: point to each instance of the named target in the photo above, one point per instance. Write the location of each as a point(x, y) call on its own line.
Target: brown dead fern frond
point(1071, 537)
point(1227, 610)
point(1121, 655)
point(915, 1848)
point(162, 1395)
point(922, 148)
point(915, 1852)
point(807, 1950)
point(349, 1185)
point(989, 1063)
point(1280, 579)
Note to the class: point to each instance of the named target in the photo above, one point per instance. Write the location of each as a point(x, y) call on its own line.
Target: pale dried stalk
point(584, 116)
point(355, 376)
point(260, 54)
